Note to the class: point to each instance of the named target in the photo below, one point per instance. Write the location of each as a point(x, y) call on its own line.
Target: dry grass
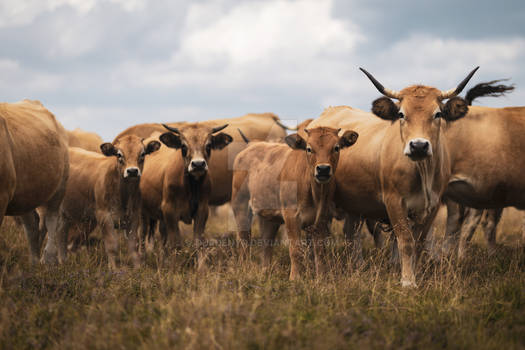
point(479, 304)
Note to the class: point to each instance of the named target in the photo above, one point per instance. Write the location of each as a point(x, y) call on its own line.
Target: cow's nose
point(419, 147)
point(132, 172)
point(323, 170)
point(198, 164)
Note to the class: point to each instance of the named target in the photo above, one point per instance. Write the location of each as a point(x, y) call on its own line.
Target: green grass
point(478, 304)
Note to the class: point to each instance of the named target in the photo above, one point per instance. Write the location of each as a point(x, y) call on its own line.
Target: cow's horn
point(457, 90)
point(380, 87)
point(175, 130)
point(219, 128)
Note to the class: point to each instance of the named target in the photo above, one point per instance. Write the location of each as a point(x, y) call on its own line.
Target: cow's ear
point(171, 140)
point(454, 109)
point(295, 141)
point(220, 140)
point(152, 146)
point(348, 139)
point(385, 108)
point(108, 149)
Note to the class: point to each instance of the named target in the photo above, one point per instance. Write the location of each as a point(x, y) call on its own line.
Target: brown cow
point(290, 184)
point(103, 191)
point(402, 169)
point(84, 139)
point(256, 126)
point(34, 171)
point(176, 181)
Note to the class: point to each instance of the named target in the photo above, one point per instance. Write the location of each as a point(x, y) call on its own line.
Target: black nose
point(198, 164)
point(419, 147)
point(132, 172)
point(323, 170)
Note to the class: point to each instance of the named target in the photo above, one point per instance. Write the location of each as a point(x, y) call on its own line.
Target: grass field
point(81, 304)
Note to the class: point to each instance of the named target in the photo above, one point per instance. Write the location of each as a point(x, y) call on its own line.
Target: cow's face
point(130, 153)
point(322, 147)
point(420, 112)
point(196, 143)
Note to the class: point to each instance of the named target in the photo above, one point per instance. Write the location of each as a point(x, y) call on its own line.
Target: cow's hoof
point(405, 283)
point(49, 259)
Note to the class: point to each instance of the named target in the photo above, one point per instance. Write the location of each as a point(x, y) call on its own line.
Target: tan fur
point(34, 169)
point(375, 179)
point(98, 195)
point(254, 126)
point(277, 184)
point(167, 194)
point(84, 139)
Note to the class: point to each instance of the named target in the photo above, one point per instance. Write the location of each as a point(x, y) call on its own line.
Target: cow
point(261, 126)
point(34, 171)
point(488, 176)
point(103, 192)
point(400, 173)
point(84, 139)
point(291, 184)
point(176, 181)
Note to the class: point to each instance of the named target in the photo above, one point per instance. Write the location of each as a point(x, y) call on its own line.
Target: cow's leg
point(150, 234)
point(455, 218)
point(268, 231)
point(106, 226)
point(472, 218)
point(171, 221)
point(294, 236)
point(320, 236)
point(523, 228)
point(352, 231)
point(375, 230)
point(241, 210)
point(199, 224)
point(30, 222)
point(398, 215)
point(134, 250)
point(492, 218)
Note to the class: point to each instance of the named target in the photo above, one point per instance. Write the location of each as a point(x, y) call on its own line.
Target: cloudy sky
point(103, 65)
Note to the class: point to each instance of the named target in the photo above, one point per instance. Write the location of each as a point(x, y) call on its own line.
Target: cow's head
point(130, 152)
point(322, 146)
point(420, 111)
point(196, 143)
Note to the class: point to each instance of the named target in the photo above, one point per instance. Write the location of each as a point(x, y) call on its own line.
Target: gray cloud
point(103, 65)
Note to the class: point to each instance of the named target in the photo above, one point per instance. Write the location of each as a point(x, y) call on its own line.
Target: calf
point(176, 182)
point(103, 190)
point(291, 184)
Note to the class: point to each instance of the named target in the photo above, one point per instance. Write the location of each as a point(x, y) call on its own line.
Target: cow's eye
point(141, 156)
point(208, 149)
point(401, 115)
point(337, 148)
point(308, 149)
point(184, 150)
point(438, 115)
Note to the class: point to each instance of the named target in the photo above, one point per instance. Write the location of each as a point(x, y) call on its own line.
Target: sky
point(104, 65)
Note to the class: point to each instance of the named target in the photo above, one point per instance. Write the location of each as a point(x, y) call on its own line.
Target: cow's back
point(85, 140)
point(37, 146)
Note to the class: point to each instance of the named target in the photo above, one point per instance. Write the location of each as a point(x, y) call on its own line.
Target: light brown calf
point(176, 182)
point(103, 191)
point(291, 184)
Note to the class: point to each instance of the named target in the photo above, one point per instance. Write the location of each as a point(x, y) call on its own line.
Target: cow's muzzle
point(323, 173)
point(417, 149)
point(198, 167)
point(132, 172)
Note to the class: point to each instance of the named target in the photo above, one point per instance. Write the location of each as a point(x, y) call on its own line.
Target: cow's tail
point(490, 88)
point(278, 122)
point(246, 139)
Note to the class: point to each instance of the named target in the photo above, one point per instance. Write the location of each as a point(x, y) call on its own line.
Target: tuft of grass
point(168, 303)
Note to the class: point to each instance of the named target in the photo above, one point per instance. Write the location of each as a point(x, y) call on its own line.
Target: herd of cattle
point(419, 148)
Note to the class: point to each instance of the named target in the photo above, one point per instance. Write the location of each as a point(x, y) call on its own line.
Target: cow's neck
point(321, 194)
point(194, 186)
point(426, 170)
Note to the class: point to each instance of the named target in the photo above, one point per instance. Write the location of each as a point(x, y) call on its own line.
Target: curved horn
point(219, 128)
point(457, 90)
point(175, 130)
point(380, 87)
point(246, 139)
point(284, 126)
